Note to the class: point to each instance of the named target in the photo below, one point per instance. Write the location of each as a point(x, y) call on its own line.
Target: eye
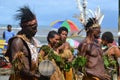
point(34, 27)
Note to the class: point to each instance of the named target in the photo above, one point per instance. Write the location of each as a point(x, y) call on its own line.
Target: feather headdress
point(81, 5)
point(96, 14)
point(93, 18)
point(25, 14)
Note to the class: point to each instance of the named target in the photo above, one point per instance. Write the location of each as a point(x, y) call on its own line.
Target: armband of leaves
point(18, 63)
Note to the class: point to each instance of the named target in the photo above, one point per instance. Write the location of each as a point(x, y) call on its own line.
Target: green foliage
point(110, 63)
point(58, 59)
point(45, 48)
point(51, 55)
point(72, 50)
point(79, 63)
point(106, 61)
point(59, 43)
point(67, 66)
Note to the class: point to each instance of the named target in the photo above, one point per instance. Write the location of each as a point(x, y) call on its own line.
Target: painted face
point(63, 35)
point(31, 28)
point(97, 32)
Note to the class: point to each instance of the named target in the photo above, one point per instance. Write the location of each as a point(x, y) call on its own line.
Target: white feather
point(100, 19)
point(91, 13)
point(79, 6)
point(97, 13)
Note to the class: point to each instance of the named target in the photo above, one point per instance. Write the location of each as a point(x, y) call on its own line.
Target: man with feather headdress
point(91, 49)
point(22, 49)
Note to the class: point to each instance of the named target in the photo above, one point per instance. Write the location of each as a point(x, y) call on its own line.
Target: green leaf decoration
point(110, 63)
point(79, 63)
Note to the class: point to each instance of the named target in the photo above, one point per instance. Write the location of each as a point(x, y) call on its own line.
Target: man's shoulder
point(83, 42)
point(16, 38)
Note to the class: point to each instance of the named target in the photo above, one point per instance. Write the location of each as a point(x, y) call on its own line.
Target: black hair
point(9, 25)
point(51, 34)
point(90, 23)
point(108, 36)
point(25, 15)
point(62, 29)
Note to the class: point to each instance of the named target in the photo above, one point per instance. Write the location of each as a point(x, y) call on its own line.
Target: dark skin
point(17, 44)
point(53, 42)
point(91, 49)
point(113, 51)
point(9, 28)
point(30, 29)
point(93, 34)
point(90, 40)
point(65, 44)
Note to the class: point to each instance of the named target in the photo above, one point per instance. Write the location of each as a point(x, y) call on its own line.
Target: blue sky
point(48, 11)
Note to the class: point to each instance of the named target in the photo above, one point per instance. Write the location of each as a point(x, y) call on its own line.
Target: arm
point(90, 52)
point(82, 49)
point(17, 47)
point(117, 51)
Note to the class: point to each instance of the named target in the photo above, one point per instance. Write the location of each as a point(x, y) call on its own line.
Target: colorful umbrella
point(67, 23)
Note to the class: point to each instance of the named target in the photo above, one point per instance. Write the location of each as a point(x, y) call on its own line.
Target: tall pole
point(84, 10)
point(119, 17)
point(81, 5)
point(119, 26)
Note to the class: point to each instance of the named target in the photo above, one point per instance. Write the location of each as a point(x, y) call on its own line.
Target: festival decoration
point(85, 13)
point(66, 23)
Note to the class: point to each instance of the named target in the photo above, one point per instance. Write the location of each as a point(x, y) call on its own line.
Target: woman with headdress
point(22, 49)
point(90, 48)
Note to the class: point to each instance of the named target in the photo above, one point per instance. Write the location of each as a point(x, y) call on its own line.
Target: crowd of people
point(25, 56)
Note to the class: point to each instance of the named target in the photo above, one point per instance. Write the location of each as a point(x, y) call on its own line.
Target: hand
point(107, 77)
